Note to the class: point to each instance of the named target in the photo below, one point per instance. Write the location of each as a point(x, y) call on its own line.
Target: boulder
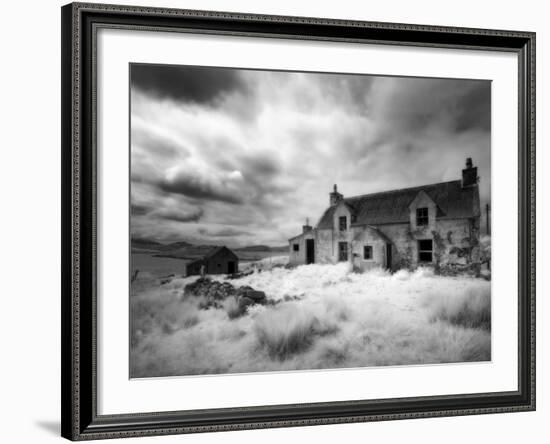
point(255, 295)
point(214, 293)
point(244, 303)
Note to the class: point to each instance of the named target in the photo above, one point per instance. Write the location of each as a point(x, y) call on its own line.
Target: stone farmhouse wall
point(455, 245)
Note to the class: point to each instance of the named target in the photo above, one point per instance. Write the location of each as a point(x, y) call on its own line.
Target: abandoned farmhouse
point(433, 225)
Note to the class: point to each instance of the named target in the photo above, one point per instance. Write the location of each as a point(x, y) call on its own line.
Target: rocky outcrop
point(219, 294)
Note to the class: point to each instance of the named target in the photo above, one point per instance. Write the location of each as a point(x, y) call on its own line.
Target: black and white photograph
point(278, 221)
point(285, 221)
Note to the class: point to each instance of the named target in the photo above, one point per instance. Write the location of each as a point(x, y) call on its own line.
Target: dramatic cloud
point(187, 83)
point(179, 215)
point(191, 181)
point(139, 210)
point(410, 105)
point(244, 157)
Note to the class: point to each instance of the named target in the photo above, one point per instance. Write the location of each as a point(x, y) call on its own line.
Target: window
point(342, 251)
point(343, 223)
point(425, 250)
point(367, 252)
point(295, 247)
point(421, 216)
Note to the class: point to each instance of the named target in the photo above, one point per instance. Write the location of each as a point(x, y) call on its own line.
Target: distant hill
point(261, 248)
point(142, 244)
point(148, 245)
point(175, 246)
point(187, 250)
point(141, 241)
point(258, 252)
point(254, 248)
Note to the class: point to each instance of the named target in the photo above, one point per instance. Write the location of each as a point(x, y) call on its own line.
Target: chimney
point(469, 174)
point(335, 196)
point(307, 227)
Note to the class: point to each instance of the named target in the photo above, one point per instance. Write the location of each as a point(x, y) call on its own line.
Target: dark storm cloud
point(179, 215)
point(262, 173)
point(139, 210)
point(201, 85)
point(411, 105)
point(261, 165)
point(474, 108)
point(202, 186)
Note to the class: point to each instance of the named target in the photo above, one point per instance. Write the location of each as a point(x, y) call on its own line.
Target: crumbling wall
point(462, 253)
point(456, 246)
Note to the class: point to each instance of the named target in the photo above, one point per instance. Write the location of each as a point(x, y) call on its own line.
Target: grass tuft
point(471, 309)
point(286, 330)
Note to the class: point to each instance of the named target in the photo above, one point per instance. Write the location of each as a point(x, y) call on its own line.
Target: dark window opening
point(425, 250)
point(367, 252)
point(296, 247)
point(342, 251)
point(421, 216)
point(343, 223)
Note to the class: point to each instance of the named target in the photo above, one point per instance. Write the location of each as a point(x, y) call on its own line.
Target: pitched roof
point(211, 252)
point(217, 249)
point(452, 200)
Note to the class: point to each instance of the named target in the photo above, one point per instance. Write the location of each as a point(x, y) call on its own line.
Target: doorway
point(231, 267)
point(389, 257)
point(310, 251)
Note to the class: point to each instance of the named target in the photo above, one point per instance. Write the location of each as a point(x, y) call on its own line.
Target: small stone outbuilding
point(433, 225)
point(217, 260)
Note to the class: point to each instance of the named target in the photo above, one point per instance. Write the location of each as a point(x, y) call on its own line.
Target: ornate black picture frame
point(80, 420)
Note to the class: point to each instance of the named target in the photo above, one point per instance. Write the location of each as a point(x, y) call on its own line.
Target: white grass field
point(322, 316)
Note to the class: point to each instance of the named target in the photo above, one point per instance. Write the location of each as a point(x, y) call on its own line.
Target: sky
point(240, 157)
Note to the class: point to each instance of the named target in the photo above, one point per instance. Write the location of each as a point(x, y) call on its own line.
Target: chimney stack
point(307, 227)
point(335, 196)
point(469, 174)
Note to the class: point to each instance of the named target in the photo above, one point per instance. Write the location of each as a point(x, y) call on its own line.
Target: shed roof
point(208, 254)
point(452, 199)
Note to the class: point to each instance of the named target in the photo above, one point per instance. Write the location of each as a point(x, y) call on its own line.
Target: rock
point(198, 287)
point(240, 274)
point(288, 298)
point(255, 295)
point(214, 294)
point(245, 302)
point(242, 290)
